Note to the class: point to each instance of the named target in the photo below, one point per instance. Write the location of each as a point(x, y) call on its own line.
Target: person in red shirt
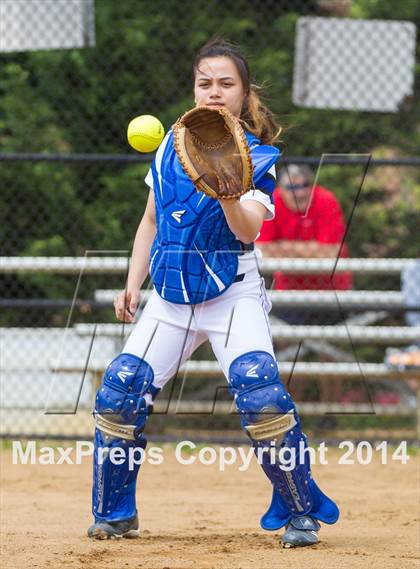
point(309, 223)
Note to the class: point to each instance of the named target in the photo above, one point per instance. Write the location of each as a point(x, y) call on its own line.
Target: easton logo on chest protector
point(178, 214)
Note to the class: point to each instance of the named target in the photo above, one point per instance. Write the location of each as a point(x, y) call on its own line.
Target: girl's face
point(218, 84)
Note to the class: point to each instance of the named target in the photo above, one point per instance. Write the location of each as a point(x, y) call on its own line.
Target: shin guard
point(269, 417)
point(123, 403)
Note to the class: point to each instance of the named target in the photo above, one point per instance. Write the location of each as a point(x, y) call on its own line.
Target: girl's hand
point(126, 304)
point(229, 184)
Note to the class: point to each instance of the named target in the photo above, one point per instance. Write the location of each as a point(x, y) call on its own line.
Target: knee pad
point(125, 398)
point(265, 407)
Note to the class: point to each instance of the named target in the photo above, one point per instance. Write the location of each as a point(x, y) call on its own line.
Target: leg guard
point(268, 416)
point(123, 403)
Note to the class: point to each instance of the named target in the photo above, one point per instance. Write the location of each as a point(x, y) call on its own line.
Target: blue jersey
point(194, 256)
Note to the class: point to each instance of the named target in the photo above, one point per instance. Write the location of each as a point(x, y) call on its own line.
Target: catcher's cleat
point(115, 530)
point(300, 532)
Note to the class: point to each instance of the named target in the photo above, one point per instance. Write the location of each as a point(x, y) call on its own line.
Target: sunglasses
point(294, 187)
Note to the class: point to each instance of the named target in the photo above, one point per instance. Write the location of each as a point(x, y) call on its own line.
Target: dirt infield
point(199, 517)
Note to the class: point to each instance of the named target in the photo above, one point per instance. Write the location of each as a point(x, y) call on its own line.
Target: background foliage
point(81, 100)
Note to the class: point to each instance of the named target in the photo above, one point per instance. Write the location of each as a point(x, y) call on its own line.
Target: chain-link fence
point(70, 184)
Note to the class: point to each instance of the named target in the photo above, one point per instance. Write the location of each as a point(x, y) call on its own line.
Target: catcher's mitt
point(213, 150)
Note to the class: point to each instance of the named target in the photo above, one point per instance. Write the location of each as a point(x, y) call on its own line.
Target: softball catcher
point(211, 188)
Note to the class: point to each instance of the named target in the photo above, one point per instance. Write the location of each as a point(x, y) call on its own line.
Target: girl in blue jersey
point(207, 286)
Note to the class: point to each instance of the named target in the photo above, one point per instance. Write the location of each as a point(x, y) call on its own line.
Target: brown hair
point(257, 118)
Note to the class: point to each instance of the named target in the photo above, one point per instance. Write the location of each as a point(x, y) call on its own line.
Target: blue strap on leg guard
point(123, 403)
point(269, 417)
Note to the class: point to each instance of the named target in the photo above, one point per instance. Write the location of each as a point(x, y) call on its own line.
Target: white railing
point(337, 333)
point(306, 298)
point(309, 370)
point(91, 264)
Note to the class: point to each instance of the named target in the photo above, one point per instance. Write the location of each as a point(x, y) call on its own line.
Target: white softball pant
point(167, 334)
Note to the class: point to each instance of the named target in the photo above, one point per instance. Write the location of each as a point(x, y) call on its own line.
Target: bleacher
point(363, 310)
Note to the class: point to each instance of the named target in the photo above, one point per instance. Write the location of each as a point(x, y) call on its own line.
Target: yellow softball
point(145, 133)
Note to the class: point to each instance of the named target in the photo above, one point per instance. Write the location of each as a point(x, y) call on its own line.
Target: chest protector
point(194, 256)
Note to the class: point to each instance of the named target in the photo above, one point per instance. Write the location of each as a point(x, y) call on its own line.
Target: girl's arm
point(244, 218)
point(127, 301)
point(139, 266)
